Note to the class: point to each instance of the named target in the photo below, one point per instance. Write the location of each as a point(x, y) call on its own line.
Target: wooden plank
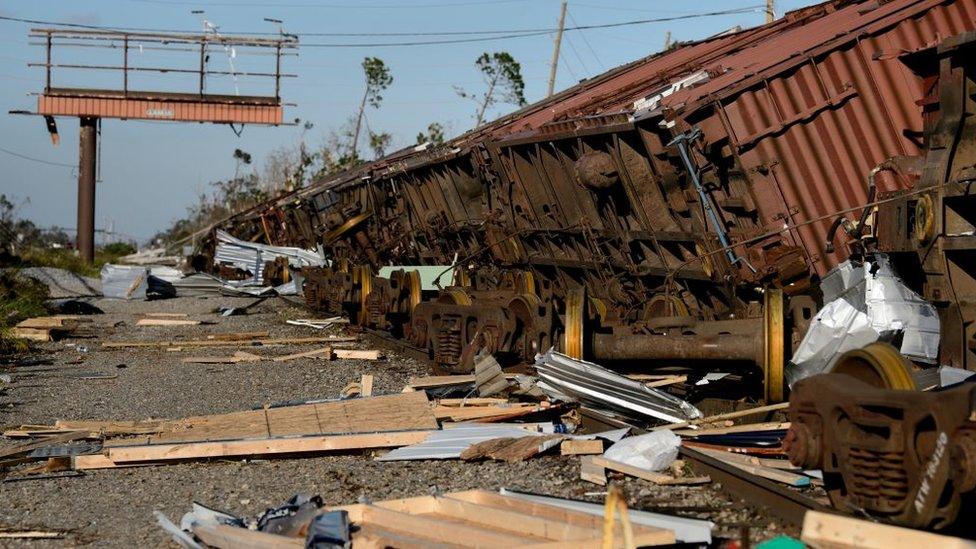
point(829, 531)
point(220, 343)
point(166, 322)
point(652, 476)
point(473, 401)
point(56, 321)
point(232, 537)
point(166, 315)
point(262, 447)
point(61, 438)
point(239, 336)
point(591, 472)
point(468, 413)
point(439, 381)
point(398, 412)
point(673, 380)
point(744, 428)
point(440, 530)
point(366, 386)
point(211, 360)
point(33, 334)
point(324, 352)
point(356, 354)
point(571, 447)
point(248, 357)
point(746, 464)
point(730, 415)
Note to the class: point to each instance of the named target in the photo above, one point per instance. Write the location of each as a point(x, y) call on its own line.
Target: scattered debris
point(564, 378)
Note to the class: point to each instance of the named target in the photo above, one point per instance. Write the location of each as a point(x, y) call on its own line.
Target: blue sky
point(151, 171)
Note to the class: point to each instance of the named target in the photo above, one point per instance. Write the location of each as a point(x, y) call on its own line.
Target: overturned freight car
point(673, 211)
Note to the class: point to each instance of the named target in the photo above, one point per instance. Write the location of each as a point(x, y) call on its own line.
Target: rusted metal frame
point(636, 204)
point(161, 37)
point(552, 191)
point(567, 134)
point(682, 273)
point(125, 67)
point(277, 71)
point(47, 85)
point(203, 64)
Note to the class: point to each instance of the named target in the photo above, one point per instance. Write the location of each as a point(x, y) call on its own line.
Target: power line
point(500, 34)
point(25, 157)
point(583, 36)
point(329, 6)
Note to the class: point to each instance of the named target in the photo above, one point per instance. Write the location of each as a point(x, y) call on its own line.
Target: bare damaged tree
point(378, 78)
point(503, 75)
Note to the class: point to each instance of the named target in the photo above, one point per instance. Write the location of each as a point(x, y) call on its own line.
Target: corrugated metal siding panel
point(819, 163)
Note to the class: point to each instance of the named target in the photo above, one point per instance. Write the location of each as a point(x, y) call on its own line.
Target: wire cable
point(32, 159)
point(498, 34)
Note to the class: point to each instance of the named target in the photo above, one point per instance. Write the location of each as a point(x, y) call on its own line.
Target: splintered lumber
point(756, 467)
point(439, 381)
point(730, 415)
point(221, 343)
point(487, 413)
point(510, 449)
point(473, 401)
point(30, 534)
point(238, 336)
point(830, 531)
point(744, 428)
point(30, 446)
point(167, 322)
point(354, 354)
point(121, 455)
point(42, 328)
point(652, 476)
point(324, 352)
point(33, 334)
point(479, 518)
point(402, 411)
point(580, 447)
point(167, 315)
point(232, 537)
point(366, 385)
point(239, 356)
point(591, 472)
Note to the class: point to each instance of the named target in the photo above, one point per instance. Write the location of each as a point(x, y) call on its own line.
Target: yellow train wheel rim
point(334, 234)
point(364, 276)
point(924, 219)
point(412, 279)
point(878, 364)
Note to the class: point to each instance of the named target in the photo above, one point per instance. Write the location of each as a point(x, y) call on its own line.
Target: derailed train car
point(679, 210)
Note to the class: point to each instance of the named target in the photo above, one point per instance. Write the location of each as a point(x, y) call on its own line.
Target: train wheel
point(363, 276)
point(924, 219)
point(774, 345)
point(455, 296)
point(412, 281)
point(878, 364)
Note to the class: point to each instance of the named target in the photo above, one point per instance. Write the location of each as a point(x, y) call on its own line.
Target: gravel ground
point(113, 508)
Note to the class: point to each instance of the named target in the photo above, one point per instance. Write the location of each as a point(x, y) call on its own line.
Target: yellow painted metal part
point(774, 345)
point(333, 235)
point(575, 320)
point(878, 364)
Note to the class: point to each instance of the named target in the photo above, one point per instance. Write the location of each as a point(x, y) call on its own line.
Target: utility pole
point(770, 10)
point(667, 41)
point(555, 49)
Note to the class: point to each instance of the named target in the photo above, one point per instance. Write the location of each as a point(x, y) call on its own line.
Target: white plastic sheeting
point(653, 451)
point(865, 303)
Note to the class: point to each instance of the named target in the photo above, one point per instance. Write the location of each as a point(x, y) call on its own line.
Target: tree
point(503, 75)
point(434, 135)
point(378, 78)
point(241, 158)
point(379, 142)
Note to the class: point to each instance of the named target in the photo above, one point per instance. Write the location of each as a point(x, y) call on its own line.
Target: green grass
point(70, 261)
point(19, 299)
